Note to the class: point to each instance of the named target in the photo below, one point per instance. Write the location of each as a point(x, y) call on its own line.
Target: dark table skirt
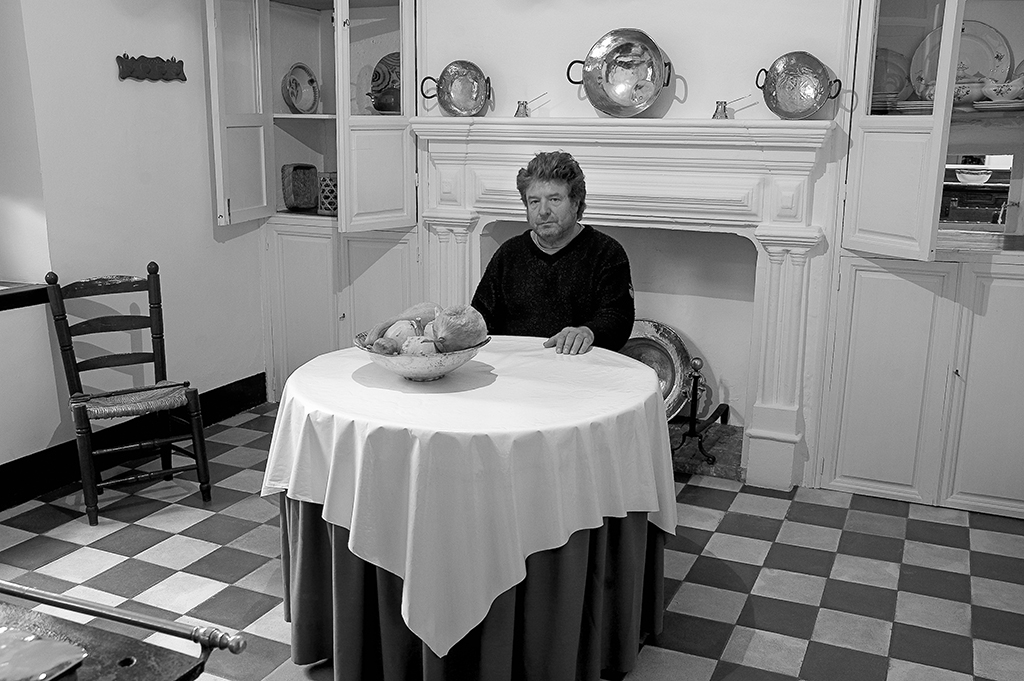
point(580, 613)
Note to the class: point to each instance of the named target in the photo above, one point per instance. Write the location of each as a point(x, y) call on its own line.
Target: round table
point(452, 484)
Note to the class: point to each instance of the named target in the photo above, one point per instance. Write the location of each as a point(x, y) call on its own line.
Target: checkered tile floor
point(761, 586)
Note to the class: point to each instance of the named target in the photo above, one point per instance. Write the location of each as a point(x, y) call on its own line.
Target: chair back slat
point(115, 360)
point(96, 288)
point(110, 323)
point(100, 286)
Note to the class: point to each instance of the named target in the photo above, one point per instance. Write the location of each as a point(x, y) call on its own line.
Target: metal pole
point(207, 637)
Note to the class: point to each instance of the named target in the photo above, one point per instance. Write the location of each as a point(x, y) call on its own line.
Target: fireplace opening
point(702, 285)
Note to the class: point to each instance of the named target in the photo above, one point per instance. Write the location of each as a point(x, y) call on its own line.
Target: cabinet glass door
point(377, 144)
point(240, 109)
point(900, 125)
point(304, 81)
point(375, 58)
point(984, 162)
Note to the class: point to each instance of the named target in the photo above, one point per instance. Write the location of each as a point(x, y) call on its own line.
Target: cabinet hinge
point(416, 179)
point(821, 470)
point(229, 211)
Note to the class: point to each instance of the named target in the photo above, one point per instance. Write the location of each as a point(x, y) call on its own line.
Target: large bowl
point(797, 85)
point(624, 72)
point(972, 176)
point(421, 367)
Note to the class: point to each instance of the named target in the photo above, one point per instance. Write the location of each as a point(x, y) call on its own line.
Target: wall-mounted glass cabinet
point(316, 82)
point(937, 139)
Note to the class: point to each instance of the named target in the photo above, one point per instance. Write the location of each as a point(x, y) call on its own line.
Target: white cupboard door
point(896, 161)
point(894, 338)
point(380, 184)
point(986, 450)
point(379, 270)
point(238, 58)
point(301, 296)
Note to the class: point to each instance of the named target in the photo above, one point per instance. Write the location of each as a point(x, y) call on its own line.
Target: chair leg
point(165, 451)
point(83, 438)
point(195, 415)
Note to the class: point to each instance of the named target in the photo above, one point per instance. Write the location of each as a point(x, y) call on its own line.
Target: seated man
point(560, 280)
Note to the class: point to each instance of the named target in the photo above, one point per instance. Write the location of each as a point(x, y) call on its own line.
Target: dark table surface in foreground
point(112, 656)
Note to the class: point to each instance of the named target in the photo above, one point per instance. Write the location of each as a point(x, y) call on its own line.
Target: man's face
point(550, 212)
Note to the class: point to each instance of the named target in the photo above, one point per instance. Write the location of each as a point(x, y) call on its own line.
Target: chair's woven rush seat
point(156, 398)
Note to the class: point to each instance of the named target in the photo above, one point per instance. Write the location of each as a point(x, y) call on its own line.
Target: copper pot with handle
point(624, 72)
point(797, 85)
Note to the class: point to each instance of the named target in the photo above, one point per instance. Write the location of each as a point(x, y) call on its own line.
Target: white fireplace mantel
point(751, 178)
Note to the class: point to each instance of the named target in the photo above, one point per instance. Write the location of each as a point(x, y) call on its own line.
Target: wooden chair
point(158, 398)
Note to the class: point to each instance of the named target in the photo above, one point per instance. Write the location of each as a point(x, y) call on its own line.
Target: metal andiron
point(696, 426)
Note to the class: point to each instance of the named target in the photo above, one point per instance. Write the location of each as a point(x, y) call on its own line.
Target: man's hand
point(572, 340)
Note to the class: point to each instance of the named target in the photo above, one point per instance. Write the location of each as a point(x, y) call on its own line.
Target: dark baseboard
point(55, 467)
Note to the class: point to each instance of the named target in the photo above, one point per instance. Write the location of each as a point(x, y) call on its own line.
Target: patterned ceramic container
point(1001, 92)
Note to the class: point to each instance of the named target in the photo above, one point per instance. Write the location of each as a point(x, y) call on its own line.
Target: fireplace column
point(448, 251)
point(775, 437)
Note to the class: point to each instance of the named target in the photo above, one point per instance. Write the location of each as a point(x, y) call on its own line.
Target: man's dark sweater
point(526, 292)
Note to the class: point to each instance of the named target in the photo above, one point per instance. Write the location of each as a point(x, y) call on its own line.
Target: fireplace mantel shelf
point(628, 132)
point(707, 175)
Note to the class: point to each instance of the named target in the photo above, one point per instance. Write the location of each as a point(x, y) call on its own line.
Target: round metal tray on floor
point(658, 346)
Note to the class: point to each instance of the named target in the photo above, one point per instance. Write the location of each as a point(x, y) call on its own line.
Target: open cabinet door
point(376, 145)
point(238, 58)
point(897, 161)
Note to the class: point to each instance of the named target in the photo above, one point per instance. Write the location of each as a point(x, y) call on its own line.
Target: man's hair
point(555, 166)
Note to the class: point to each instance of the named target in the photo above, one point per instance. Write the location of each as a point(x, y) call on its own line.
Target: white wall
point(126, 178)
point(716, 48)
point(24, 255)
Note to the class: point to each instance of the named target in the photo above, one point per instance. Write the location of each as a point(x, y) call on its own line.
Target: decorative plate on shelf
point(300, 89)
point(387, 74)
point(1006, 105)
point(891, 75)
point(984, 53)
point(658, 346)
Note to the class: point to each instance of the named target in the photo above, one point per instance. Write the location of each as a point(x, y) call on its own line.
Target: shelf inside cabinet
point(1013, 118)
point(307, 219)
point(305, 117)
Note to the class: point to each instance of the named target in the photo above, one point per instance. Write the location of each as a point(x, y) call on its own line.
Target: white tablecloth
point(451, 484)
